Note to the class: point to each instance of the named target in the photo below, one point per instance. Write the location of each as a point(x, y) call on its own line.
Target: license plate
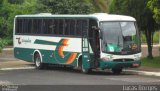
point(135, 65)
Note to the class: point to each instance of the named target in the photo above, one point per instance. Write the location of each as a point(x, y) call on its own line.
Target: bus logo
point(19, 40)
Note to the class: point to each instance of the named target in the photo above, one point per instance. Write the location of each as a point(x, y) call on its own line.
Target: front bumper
point(112, 64)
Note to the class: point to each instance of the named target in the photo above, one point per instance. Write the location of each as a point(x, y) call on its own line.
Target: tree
point(65, 6)
point(9, 9)
point(139, 10)
point(154, 5)
point(100, 5)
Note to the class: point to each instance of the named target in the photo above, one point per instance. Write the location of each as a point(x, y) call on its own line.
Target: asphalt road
point(66, 76)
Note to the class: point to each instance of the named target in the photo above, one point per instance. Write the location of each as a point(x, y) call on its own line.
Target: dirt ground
point(7, 60)
point(155, 51)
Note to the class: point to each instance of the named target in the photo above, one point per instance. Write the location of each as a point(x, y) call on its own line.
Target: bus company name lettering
point(26, 40)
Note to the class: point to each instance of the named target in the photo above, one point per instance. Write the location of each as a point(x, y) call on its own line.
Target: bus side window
point(19, 26)
point(67, 27)
point(79, 28)
point(56, 26)
point(36, 29)
point(51, 27)
point(28, 26)
point(72, 27)
point(80, 25)
point(84, 25)
point(23, 25)
point(45, 28)
point(61, 26)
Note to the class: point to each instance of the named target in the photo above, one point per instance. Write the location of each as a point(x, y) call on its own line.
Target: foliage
point(65, 6)
point(3, 18)
point(100, 5)
point(154, 5)
point(152, 63)
point(2, 43)
point(155, 38)
point(73, 6)
point(139, 10)
point(10, 8)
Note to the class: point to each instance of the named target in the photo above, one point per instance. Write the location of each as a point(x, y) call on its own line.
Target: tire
point(117, 71)
point(38, 62)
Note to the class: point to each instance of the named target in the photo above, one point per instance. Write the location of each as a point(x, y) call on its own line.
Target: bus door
point(95, 43)
point(85, 46)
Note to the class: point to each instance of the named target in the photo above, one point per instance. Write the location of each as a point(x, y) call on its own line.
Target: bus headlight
point(137, 58)
point(107, 59)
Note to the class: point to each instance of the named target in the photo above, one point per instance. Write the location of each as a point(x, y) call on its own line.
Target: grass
point(153, 63)
point(5, 42)
point(155, 37)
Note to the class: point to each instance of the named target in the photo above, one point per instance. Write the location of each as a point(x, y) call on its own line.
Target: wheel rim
point(38, 62)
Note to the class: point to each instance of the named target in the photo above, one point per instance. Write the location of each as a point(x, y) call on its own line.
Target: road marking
point(7, 49)
point(135, 80)
point(17, 68)
point(8, 59)
point(153, 45)
point(145, 73)
point(5, 83)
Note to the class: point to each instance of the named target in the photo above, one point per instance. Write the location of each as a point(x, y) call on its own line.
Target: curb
point(146, 73)
point(7, 49)
point(157, 45)
point(6, 59)
point(16, 68)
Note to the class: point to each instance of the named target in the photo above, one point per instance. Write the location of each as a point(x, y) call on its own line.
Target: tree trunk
point(149, 38)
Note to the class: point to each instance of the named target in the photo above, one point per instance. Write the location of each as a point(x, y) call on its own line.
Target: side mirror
point(99, 30)
point(95, 28)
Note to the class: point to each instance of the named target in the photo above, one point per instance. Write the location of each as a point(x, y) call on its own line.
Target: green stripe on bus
point(49, 56)
point(37, 41)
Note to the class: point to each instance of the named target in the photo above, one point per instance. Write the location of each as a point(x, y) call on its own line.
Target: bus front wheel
point(117, 70)
point(37, 61)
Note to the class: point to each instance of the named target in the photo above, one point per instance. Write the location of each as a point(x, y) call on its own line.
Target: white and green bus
point(94, 41)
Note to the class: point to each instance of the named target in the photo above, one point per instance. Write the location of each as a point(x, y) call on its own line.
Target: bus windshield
point(120, 37)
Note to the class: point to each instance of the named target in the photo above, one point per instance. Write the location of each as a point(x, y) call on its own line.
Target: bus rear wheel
point(117, 71)
point(37, 61)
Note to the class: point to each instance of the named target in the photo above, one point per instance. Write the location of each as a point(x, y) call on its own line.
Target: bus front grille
point(123, 60)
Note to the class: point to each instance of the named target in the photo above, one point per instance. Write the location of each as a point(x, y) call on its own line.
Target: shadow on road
point(78, 71)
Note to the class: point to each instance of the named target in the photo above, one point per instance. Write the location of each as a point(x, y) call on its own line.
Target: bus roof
point(97, 16)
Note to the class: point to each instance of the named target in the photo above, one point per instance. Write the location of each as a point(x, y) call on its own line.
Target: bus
point(94, 41)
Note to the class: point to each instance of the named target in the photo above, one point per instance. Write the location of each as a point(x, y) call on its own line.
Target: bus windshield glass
point(120, 37)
